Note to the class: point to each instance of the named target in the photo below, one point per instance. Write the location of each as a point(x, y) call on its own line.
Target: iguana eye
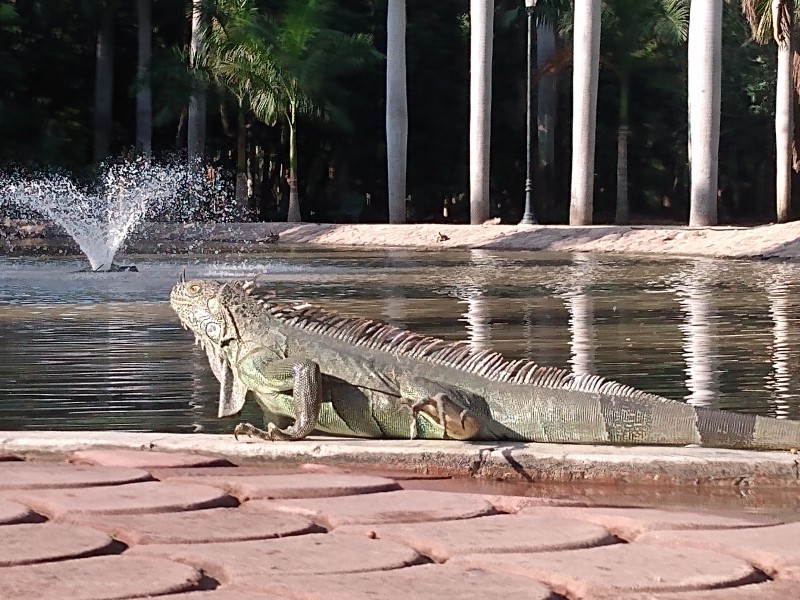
point(194, 288)
point(212, 330)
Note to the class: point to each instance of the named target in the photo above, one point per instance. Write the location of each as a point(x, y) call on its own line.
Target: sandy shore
point(767, 241)
point(761, 242)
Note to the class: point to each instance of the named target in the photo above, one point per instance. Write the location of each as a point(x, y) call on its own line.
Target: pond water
point(105, 351)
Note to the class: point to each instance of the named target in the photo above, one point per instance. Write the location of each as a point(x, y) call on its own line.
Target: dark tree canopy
point(47, 62)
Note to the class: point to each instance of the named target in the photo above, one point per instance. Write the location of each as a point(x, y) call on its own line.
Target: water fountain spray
point(100, 219)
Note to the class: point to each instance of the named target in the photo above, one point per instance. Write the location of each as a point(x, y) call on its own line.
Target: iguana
point(313, 369)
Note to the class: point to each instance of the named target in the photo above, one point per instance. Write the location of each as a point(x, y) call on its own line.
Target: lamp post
point(527, 217)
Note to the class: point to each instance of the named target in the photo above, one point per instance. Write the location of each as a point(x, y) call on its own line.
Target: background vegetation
point(47, 98)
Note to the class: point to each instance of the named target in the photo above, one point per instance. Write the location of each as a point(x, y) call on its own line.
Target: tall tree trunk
point(241, 168)
point(623, 212)
point(144, 101)
point(480, 102)
point(396, 109)
point(547, 102)
point(294, 215)
point(196, 136)
point(782, 20)
point(705, 81)
point(586, 64)
point(104, 83)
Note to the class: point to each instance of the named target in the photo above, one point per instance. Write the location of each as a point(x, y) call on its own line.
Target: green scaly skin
point(315, 370)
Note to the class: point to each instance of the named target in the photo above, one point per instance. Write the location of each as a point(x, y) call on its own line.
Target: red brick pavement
point(127, 524)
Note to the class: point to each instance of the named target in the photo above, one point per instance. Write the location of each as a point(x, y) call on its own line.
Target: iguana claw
point(252, 431)
point(242, 429)
point(440, 400)
point(456, 422)
point(272, 433)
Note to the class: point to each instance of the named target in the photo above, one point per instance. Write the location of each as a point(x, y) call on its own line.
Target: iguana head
point(203, 307)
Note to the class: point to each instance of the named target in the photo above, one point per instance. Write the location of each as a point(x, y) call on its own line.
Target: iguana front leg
point(435, 401)
point(301, 376)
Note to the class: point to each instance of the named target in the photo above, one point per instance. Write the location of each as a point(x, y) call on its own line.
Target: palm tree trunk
point(586, 64)
point(241, 168)
point(547, 101)
point(104, 83)
point(396, 109)
point(784, 115)
point(294, 215)
point(144, 102)
point(705, 81)
point(480, 113)
point(196, 129)
point(622, 217)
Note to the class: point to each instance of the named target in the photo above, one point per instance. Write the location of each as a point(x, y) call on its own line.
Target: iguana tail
point(607, 418)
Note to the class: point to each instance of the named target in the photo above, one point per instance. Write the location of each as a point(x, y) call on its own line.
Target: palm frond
point(673, 23)
point(759, 16)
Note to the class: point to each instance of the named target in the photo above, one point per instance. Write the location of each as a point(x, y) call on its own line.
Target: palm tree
point(236, 53)
point(196, 128)
point(144, 101)
point(310, 57)
point(705, 81)
point(633, 32)
point(586, 58)
point(281, 69)
point(552, 19)
point(547, 103)
point(104, 81)
point(775, 19)
point(396, 109)
point(480, 114)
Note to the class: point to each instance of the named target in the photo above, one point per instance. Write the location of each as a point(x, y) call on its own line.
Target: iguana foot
point(249, 430)
point(420, 405)
point(459, 425)
point(252, 431)
point(273, 433)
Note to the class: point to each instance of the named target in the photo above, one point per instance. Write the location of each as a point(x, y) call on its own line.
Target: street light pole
point(527, 217)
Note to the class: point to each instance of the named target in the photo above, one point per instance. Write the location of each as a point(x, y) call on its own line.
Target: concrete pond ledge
point(520, 462)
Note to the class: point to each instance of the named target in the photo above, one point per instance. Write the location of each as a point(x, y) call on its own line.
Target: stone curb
point(525, 462)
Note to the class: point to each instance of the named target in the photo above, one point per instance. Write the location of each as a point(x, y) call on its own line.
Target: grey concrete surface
point(526, 462)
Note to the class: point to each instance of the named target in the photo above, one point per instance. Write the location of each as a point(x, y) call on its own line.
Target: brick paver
point(254, 563)
point(619, 568)
point(41, 542)
point(144, 459)
point(628, 523)
point(196, 526)
point(115, 532)
point(769, 590)
point(28, 476)
point(146, 497)
point(443, 540)
point(300, 485)
point(14, 512)
point(774, 550)
point(405, 506)
point(97, 578)
point(414, 583)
